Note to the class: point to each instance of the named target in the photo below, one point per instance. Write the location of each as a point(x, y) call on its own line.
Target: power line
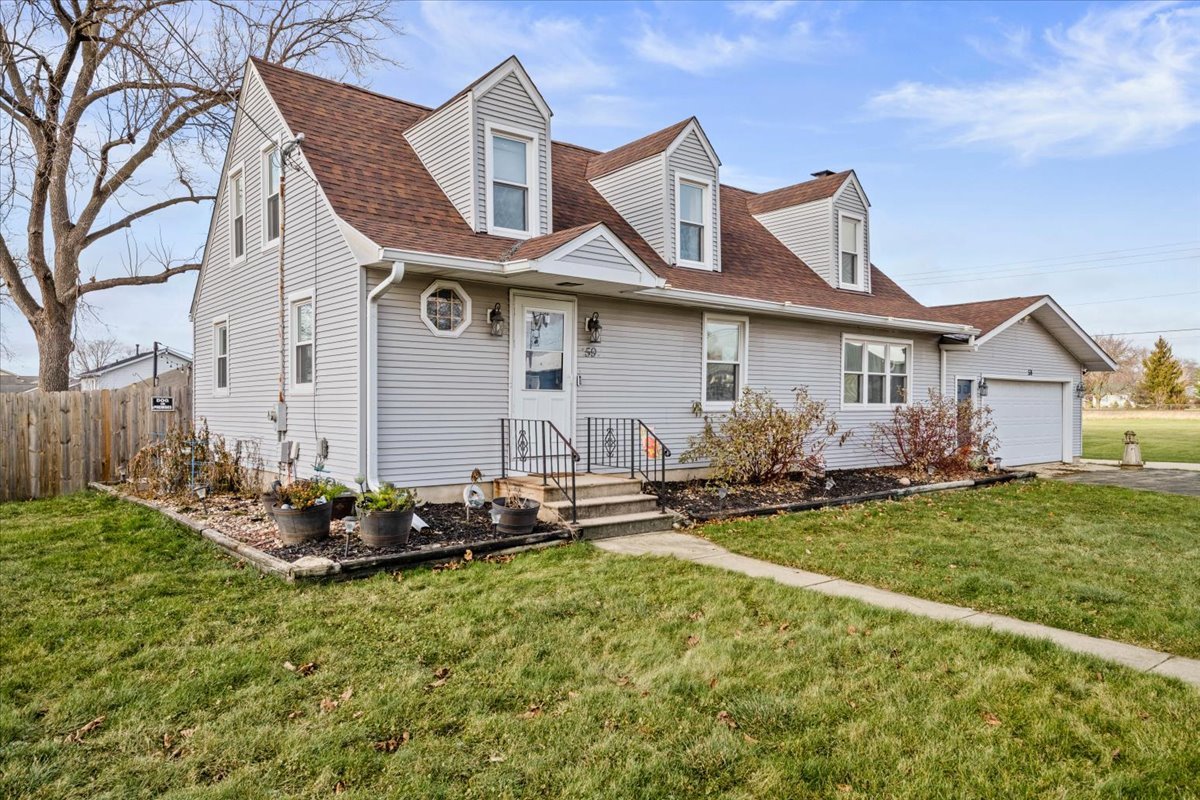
point(1139, 333)
point(935, 282)
point(1133, 252)
point(1131, 299)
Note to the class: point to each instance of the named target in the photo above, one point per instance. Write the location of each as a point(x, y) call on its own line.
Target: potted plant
point(515, 514)
point(385, 515)
point(302, 511)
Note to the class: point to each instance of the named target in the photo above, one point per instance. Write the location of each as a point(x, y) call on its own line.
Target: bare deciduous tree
point(90, 354)
point(99, 99)
point(1129, 362)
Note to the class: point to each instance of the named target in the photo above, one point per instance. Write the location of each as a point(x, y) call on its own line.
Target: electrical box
point(285, 452)
point(281, 417)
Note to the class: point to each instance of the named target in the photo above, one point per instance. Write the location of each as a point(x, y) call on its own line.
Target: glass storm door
point(543, 361)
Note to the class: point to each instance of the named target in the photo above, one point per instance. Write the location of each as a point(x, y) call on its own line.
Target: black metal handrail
point(627, 442)
point(533, 445)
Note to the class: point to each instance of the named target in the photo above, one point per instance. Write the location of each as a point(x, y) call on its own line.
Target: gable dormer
point(488, 148)
point(667, 187)
point(826, 223)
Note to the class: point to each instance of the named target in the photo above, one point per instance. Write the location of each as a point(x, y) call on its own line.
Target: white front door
point(543, 360)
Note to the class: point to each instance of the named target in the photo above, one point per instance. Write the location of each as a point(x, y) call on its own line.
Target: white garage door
point(1029, 420)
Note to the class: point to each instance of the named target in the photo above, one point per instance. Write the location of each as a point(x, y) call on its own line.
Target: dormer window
point(850, 235)
point(512, 197)
point(693, 210)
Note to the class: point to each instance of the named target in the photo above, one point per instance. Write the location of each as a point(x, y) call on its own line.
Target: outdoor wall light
point(496, 319)
point(594, 327)
point(983, 388)
point(1079, 389)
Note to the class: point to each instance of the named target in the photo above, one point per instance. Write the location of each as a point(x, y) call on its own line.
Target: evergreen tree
point(1162, 377)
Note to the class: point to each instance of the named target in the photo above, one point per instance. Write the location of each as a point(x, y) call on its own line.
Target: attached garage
point(1029, 418)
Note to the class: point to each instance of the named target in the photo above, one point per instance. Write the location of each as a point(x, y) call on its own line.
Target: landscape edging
point(813, 505)
point(340, 570)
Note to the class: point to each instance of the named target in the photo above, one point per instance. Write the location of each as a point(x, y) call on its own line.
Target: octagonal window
point(445, 308)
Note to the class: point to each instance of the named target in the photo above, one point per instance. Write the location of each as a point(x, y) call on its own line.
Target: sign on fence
point(57, 442)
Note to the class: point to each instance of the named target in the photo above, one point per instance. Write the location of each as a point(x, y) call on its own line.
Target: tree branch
point(133, 280)
point(129, 219)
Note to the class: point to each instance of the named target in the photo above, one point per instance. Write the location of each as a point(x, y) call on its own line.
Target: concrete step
point(625, 524)
point(594, 507)
point(586, 487)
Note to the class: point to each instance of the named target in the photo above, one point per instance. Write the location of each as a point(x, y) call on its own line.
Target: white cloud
point(560, 52)
point(1119, 79)
point(767, 10)
point(667, 40)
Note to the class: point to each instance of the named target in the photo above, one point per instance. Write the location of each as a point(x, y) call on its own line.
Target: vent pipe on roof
point(825, 173)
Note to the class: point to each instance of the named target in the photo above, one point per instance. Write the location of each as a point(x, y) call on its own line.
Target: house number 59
point(589, 352)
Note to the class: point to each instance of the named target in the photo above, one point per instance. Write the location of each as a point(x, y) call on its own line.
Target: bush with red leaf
point(940, 433)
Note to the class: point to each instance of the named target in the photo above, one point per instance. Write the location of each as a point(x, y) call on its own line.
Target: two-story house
point(445, 269)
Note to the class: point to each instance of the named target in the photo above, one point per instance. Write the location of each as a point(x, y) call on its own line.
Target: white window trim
point(466, 323)
point(707, 245)
point(221, 322)
point(743, 360)
point(533, 196)
point(295, 299)
point(865, 406)
point(264, 188)
point(863, 266)
point(237, 171)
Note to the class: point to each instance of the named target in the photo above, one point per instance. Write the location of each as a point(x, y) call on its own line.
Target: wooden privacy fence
point(55, 442)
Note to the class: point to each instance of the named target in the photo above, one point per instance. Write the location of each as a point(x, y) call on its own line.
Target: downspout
point(372, 443)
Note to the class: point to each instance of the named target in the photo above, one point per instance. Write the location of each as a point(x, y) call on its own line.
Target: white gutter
point(372, 443)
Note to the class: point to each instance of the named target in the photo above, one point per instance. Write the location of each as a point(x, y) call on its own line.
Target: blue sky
point(1007, 148)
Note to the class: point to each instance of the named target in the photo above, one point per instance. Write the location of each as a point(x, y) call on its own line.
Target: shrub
point(386, 498)
point(165, 467)
point(759, 441)
point(940, 433)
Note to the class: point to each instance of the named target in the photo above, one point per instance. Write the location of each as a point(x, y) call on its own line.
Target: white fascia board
point(694, 125)
point(365, 251)
point(805, 312)
point(417, 257)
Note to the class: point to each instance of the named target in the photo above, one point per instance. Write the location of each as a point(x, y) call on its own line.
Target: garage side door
point(1029, 420)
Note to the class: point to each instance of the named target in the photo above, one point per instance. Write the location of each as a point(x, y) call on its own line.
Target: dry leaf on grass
point(304, 670)
point(695, 616)
point(991, 719)
point(339, 787)
point(533, 711)
point(727, 718)
point(393, 743)
point(693, 640)
point(468, 556)
point(440, 675)
point(328, 705)
point(496, 759)
point(77, 735)
point(845, 787)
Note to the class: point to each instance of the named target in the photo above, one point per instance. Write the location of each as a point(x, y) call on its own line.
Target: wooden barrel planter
point(301, 526)
point(516, 520)
point(385, 528)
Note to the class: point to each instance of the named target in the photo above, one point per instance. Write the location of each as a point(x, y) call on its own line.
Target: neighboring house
point(1117, 401)
point(10, 382)
point(137, 368)
point(410, 229)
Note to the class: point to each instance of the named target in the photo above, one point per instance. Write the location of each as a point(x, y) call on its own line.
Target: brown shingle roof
point(539, 246)
point(986, 314)
point(626, 154)
point(816, 189)
point(354, 141)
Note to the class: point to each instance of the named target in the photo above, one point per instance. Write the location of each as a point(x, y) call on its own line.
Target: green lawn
point(1104, 561)
point(1174, 439)
point(571, 673)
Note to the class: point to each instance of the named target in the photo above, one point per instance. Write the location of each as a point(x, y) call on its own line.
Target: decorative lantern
point(496, 318)
point(1079, 389)
point(594, 327)
point(983, 387)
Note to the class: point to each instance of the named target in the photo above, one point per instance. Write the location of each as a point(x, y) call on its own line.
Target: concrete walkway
point(702, 551)
point(1182, 480)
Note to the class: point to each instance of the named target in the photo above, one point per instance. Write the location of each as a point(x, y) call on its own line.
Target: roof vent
point(825, 173)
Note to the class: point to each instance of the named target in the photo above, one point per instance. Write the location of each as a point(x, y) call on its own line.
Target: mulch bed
point(700, 498)
point(245, 520)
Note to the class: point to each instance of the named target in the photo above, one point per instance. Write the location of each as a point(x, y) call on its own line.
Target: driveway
point(1170, 481)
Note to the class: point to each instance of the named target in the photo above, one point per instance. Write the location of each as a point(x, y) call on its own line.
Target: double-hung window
point(237, 214)
point(724, 361)
point(691, 206)
point(875, 372)
point(272, 167)
point(510, 206)
point(221, 355)
point(851, 245)
point(302, 343)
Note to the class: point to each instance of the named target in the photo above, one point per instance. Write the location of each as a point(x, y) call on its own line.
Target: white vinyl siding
point(317, 255)
point(804, 229)
point(443, 143)
point(1023, 350)
point(508, 106)
point(638, 193)
point(690, 161)
point(600, 252)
